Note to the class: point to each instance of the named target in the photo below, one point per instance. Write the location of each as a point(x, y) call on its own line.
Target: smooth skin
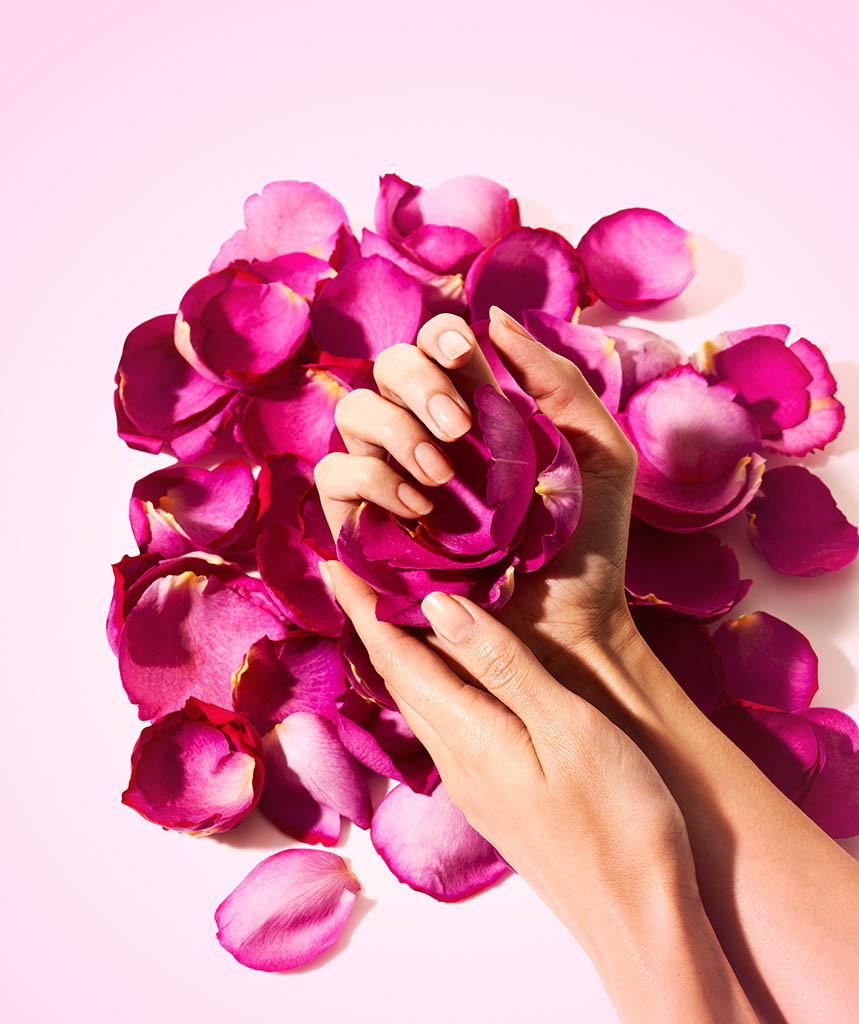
point(691, 850)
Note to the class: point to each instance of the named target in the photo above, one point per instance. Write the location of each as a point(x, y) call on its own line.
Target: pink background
point(132, 135)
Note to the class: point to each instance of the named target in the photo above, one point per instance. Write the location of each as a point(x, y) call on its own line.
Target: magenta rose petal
point(825, 414)
point(199, 769)
point(302, 672)
point(529, 268)
point(290, 570)
point(557, 501)
point(637, 258)
point(832, 800)
point(441, 293)
point(288, 910)
point(427, 843)
point(686, 649)
point(311, 780)
point(186, 635)
point(783, 745)
point(643, 356)
point(287, 217)
point(359, 668)
point(148, 417)
point(126, 572)
point(297, 415)
point(589, 348)
point(369, 306)
point(693, 574)
point(767, 661)
point(796, 525)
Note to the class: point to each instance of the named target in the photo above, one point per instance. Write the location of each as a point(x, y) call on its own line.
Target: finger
point(495, 657)
point(406, 376)
point(452, 715)
point(345, 480)
point(374, 426)
point(447, 333)
point(556, 384)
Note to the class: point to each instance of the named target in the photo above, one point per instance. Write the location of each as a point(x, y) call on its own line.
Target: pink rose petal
point(643, 355)
point(796, 525)
point(767, 661)
point(199, 770)
point(428, 844)
point(311, 780)
point(832, 799)
point(288, 910)
point(637, 258)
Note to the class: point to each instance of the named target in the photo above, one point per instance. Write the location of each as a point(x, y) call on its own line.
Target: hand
point(565, 797)
point(577, 601)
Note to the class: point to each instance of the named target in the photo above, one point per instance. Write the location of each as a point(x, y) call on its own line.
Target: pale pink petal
point(428, 844)
point(288, 910)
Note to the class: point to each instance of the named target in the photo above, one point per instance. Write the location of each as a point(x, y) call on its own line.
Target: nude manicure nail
point(413, 499)
point(433, 463)
point(447, 616)
point(453, 344)
point(448, 416)
point(325, 573)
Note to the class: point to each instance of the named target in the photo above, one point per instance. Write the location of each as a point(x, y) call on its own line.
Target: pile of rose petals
point(257, 691)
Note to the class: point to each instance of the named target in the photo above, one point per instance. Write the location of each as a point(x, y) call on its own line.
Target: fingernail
point(413, 499)
point(448, 416)
point(497, 313)
point(325, 573)
point(453, 344)
point(447, 617)
point(433, 463)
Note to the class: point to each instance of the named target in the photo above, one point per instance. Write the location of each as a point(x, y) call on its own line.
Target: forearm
point(774, 885)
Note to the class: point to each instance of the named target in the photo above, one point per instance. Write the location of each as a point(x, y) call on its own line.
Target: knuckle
point(389, 356)
point(323, 470)
point(346, 407)
point(499, 665)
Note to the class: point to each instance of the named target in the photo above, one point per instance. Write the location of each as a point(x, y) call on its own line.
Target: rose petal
point(767, 661)
point(185, 636)
point(290, 570)
point(147, 417)
point(287, 217)
point(693, 574)
point(368, 307)
point(588, 347)
point(832, 799)
point(359, 668)
point(288, 910)
point(796, 525)
point(781, 744)
point(529, 268)
point(199, 770)
point(311, 780)
point(643, 355)
point(428, 844)
point(125, 573)
point(686, 649)
point(302, 672)
point(825, 415)
point(637, 258)
point(441, 293)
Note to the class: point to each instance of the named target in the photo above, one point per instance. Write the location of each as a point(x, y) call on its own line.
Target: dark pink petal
point(825, 415)
point(125, 573)
point(441, 248)
point(199, 441)
point(693, 574)
point(686, 649)
point(637, 258)
point(441, 293)
point(783, 745)
point(767, 661)
point(206, 509)
point(239, 331)
point(302, 272)
point(643, 355)
point(380, 739)
point(557, 500)
point(428, 844)
point(186, 635)
point(311, 780)
point(290, 571)
point(283, 483)
point(369, 306)
point(297, 415)
point(833, 797)
point(796, 525)
point(287, 217)
point(529, 268)
point(589, 348)
point(359, 668)
point(147, 417)
point(302, 672)
point(199, 770)
point(288, 910)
